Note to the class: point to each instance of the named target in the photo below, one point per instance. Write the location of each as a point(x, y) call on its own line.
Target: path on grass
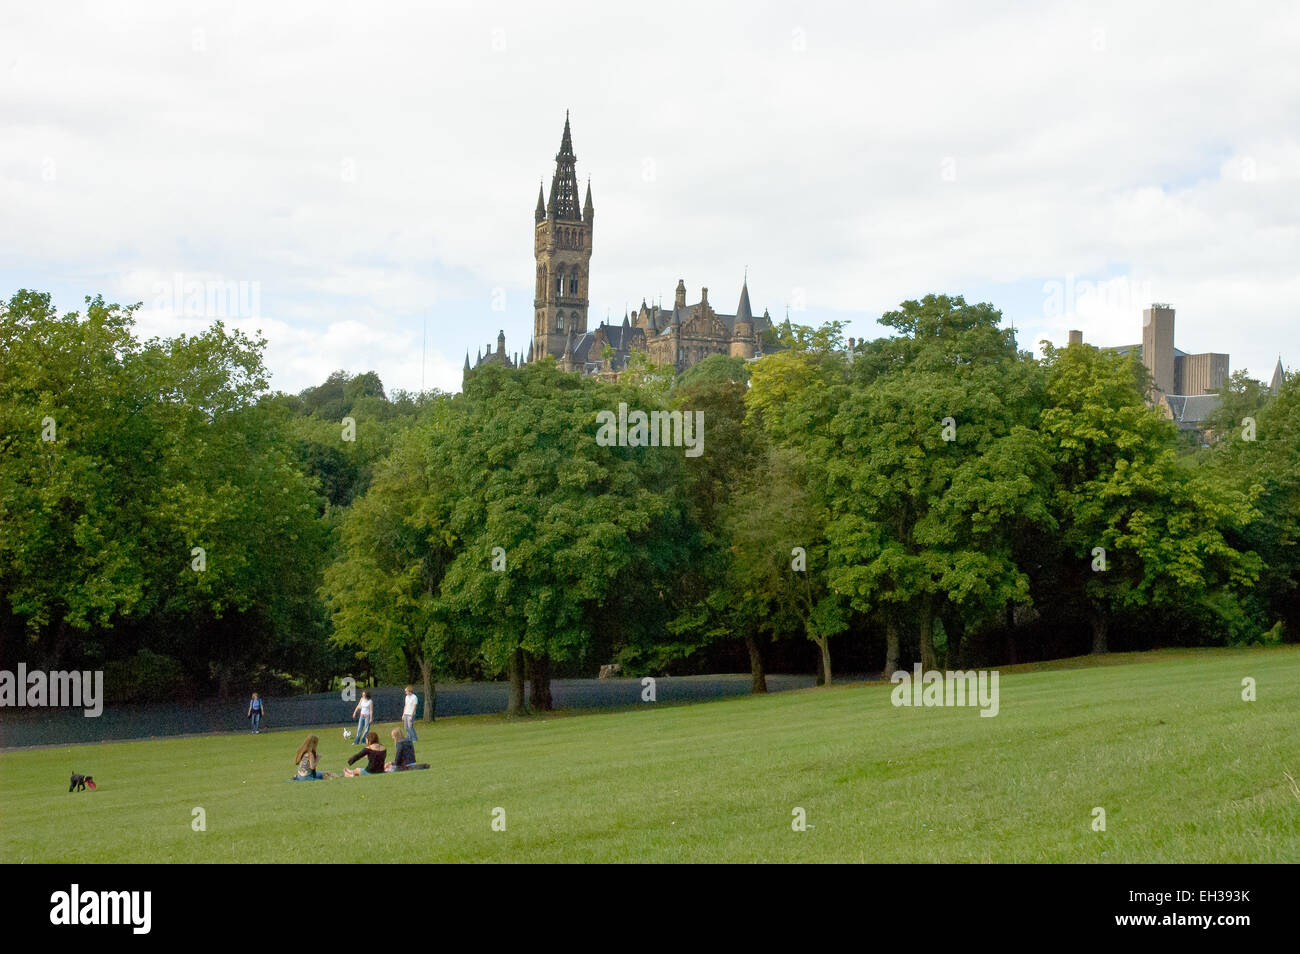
point(27, 727)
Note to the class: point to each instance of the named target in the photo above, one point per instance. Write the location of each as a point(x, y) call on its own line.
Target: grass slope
point(1186, 771)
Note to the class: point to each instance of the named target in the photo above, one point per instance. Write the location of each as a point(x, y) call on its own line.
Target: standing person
point(255, 709)
point(366, 706)
point(408, 714)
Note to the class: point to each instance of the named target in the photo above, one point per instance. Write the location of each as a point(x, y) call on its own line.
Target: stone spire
point(563, 203)
point(1278, 377)
point(541, 205)
point(466, 359)
point(588, 211)
point(743, 311)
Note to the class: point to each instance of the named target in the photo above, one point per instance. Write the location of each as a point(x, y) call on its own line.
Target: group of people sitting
point(375, 754)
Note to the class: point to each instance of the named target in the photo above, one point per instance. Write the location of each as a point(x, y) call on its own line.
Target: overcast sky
point(366, 169)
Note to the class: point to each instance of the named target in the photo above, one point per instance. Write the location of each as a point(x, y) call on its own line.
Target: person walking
point(256, 707)
point(366, 706)
point(408, 714)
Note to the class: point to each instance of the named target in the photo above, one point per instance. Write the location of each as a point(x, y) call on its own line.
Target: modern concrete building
point(1185, 386)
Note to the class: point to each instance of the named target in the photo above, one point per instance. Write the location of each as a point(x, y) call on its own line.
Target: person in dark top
point(405, 758)
point(374, 752)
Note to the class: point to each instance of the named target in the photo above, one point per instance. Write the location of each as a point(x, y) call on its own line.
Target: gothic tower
point(562, 247)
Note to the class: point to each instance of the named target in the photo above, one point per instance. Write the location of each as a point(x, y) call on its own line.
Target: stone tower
point(1158, 347)
point(562, 247)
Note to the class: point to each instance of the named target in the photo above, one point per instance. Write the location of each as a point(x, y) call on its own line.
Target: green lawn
point(1185, 770)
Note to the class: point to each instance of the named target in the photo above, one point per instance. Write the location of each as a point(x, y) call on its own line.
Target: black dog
point(81, 782)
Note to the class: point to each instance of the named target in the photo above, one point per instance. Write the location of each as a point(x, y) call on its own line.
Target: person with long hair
point(405, 757)
point(365, 706)
point(307, 760)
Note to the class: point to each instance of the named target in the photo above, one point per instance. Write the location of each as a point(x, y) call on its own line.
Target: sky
point(357, 181)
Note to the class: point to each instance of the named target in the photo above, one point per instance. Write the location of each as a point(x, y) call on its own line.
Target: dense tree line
point(935, 495)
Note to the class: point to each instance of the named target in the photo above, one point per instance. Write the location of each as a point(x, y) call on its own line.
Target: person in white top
point(366, 707)
point(408, 714)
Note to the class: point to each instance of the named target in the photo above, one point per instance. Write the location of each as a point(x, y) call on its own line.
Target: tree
point(148, 499)
point(383, 590)
point(1263, 464)
point(934, 464)
point(1135, 528)
point(546, 520)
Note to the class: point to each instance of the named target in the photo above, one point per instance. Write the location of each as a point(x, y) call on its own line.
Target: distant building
point(681, 336)
point(1184, 386)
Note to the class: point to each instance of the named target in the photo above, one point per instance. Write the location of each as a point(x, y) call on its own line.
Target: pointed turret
point(563, 202)
point(568, 345)
point(588, 210)
point(541, 204)
point(743, 311)
point(466, 359)
point(1279, 376)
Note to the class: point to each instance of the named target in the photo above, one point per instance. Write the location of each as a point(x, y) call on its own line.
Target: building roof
point(1191, 411)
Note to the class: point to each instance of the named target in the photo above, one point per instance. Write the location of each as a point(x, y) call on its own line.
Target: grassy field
point(1185, 770)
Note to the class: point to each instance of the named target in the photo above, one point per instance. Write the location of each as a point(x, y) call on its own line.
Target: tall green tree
point(934, 465)
point(1135, 528)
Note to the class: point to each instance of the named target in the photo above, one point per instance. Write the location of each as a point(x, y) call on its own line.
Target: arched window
point(559, 283)
point(573, 281)
point(559, 321)
point(574, 318)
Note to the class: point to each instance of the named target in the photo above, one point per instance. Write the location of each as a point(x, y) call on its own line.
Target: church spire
point(588, 213)
point(563, 203)
point(1279, 377)
point(541, 204)
point(743, 311)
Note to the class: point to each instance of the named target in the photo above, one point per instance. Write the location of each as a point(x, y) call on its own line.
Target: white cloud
point(374, 168)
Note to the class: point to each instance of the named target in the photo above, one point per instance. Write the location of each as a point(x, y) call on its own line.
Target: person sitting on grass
point(405, 756)
point(374, 752)
point(306, 760)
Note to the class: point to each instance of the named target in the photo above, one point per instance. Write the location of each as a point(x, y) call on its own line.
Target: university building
point(1184, 386)
point(681, 336)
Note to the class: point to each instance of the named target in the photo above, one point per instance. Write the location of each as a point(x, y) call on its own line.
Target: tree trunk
point(539, 683)
point(825, 645)
point(430, 689)
point(516, 707)
point(756, 671)
point(60, 644)
point(821, 670)
point(1099, 633)
point(956, 629)
point(929, 662)
point(891, 646)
